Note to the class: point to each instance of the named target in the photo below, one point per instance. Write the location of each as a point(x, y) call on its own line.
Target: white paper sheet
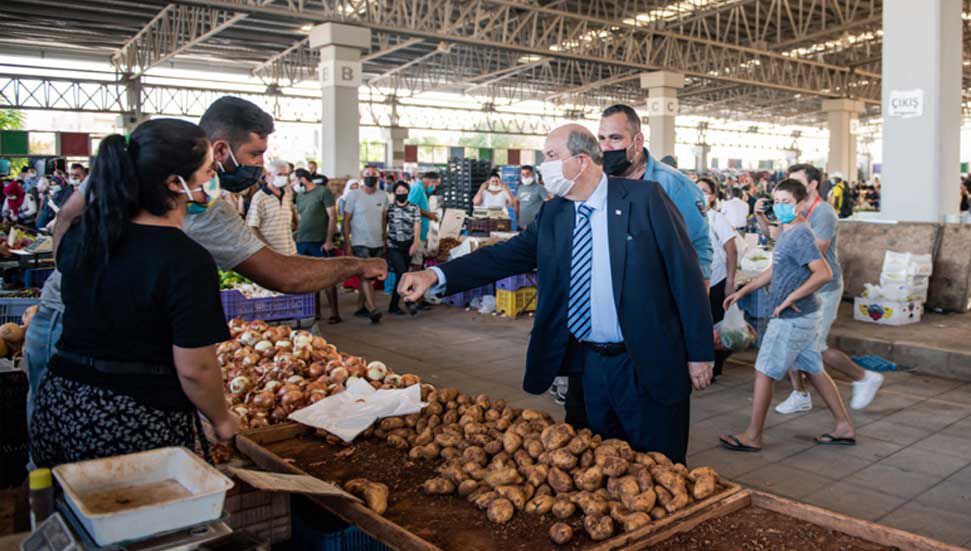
point(351, 412)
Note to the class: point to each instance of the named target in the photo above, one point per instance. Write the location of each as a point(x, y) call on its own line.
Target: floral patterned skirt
point(75, 421)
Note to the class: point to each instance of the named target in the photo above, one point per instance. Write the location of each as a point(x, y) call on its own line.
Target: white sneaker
point(865, 390)
point(796, 402)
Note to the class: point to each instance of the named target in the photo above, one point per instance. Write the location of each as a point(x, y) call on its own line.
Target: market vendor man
point(621, 296)
point(238, 131)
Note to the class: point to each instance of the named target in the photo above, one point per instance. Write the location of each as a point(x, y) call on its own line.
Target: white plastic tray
point(207, 489)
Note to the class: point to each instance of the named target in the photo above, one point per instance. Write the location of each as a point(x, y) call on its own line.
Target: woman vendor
point(136, 365)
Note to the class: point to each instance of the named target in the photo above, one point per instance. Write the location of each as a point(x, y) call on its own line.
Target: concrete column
point(701, 151)
point(921, 110)
point(133, 98)
point(340, 77)
point(841, 115)
point(394, 152)
point(662, 107)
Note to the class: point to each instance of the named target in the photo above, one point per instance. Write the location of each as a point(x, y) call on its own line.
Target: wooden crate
point(864, 530)
point(253, 445)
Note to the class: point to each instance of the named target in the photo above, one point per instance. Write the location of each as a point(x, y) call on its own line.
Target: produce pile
point(445, 246)
point(12, 334)
point(505, 461)
point(234, 281)
point(270, 372)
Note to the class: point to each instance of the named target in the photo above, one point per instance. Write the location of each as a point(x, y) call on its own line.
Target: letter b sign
point(340, 73)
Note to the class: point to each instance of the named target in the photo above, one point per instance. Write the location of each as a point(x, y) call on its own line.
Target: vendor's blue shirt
point(689, 200)
point(419, 198)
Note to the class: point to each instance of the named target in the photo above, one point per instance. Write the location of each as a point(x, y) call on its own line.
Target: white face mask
point(280, 181)
point(494, 187)
point(300, 188)
point(527, 180)
point(553, 178)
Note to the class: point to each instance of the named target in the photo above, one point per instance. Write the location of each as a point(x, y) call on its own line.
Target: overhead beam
point(443, 48)
point(391, 49)
point(533, 29)
point(172, 31)
point(592, 85)
point(502, 74)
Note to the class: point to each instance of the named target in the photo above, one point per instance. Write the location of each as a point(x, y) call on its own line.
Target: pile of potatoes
point(505, 461)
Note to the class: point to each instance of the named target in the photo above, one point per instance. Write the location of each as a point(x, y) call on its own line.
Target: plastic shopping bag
point(734, 333)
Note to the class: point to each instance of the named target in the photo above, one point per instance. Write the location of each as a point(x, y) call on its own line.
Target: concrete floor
point(911, 468)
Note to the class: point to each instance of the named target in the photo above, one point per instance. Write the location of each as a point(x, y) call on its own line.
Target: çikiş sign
point(906, 103)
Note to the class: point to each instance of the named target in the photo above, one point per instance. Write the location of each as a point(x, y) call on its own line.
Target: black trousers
point(605, 399)
point(398, 262)
point(716, 297)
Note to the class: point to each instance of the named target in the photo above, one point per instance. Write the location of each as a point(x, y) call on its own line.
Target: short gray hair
point(583, 141)
point(279, 165)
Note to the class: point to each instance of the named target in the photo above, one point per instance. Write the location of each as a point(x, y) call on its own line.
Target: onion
point(303, 353)
point(250, 359)
point(376, 371)
point(284, 345)
point(339, 375)
point(318, 343)
point(278, 414)
point(240, 385)
point(263, 346)
point(289, 387)
point(249, 338)
point(264, 399)
point(409, 379)
point(393, 380)
point(316, 369)
point(302, 339)
point(272, 386)
point(241, 411)
point(292, 398)
point(258, 326)
point(295, 379)
point(284, 358)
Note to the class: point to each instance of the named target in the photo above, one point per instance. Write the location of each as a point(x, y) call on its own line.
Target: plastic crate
point(464, 299)
point(282, 307)
point(517, 282)
point(35, 277)
point(514, 303)
point(12, 309)
point(264, 515)
point(488, 225)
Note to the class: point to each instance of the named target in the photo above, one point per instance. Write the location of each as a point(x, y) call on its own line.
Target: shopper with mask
point(238, 131)
point(797, 272)
point(77, 174)
point(136, 365)
point(403, 229)
point(271, 210)
point(364, 234)
point(529, 197)
point(625, 156)
point(58, 192)
point(418, 196)
point(316, 227)
point(621, 298)
point(493, 194)
point(724, 263)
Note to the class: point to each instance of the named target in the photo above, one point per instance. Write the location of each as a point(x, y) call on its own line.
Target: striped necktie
point(578, 312)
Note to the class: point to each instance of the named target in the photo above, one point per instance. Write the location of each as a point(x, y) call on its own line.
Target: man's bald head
point(571, 140)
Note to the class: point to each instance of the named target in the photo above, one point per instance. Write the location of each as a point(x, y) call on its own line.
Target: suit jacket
point(659, 292)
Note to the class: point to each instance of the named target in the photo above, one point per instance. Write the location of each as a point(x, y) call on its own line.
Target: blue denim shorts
point(831, 306)
point(790, 343)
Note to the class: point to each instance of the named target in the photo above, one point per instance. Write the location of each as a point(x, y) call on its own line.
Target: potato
point(450, 453)
point(658, 513)
point(434, 421)
point(473, 429)
point(514, 494)
point(500, 511)
point(502, 424)
point(534, 447)
point(523, 459)
point(563, 459)
point(559, 480)
point(698, 472)
point(390, 423)
point(556, 436)
point(678, 502)
point(633, 521)
point(587, 459)
point(433, 408)
point(598, 527)
point(613, 465)
point(531, 415)
point(483, 500)
point(590, 479)
point(660, 459)
point(704, 487)
point(397, 442)
point(625, 485)
point(476, 455)
point(541, 505)
point(466, 487)
point(563, 509)
point(502, 477)
point(578, 444)
point(511, 442)
point(439, 486)
point(670, 479)
point(474, 470)
point(561, 533)
point(450, 417)
point(424, 437)
point(493, 447)
point(447, 440)
point(643, 502)
point(374, 494)
point(537, 475)
point(681, 469)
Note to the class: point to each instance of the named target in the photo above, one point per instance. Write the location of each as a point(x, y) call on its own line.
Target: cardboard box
point(885, 312)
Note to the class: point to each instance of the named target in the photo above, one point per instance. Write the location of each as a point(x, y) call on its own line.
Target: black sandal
point(736, 446)
point(830, 440)
point(334, 320)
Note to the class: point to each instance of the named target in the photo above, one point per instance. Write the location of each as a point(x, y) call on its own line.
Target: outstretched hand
point(374, 268)
point(414, 285)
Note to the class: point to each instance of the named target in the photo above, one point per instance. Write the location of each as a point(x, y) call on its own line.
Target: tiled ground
point(911, 468)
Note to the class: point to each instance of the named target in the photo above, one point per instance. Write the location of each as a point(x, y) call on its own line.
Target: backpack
point(846, 205)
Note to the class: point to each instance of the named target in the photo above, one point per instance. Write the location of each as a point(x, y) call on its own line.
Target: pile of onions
point(269, 372)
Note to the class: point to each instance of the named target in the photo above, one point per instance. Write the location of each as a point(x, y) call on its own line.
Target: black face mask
point(243, 177)
point(616, 162)
point(401, 197)
point(370, 181)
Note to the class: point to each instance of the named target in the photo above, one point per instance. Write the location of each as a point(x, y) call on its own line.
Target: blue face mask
point(786, 213)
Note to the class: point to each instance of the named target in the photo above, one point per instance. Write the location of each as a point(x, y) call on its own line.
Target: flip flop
point(736, 446)
point(830, 440)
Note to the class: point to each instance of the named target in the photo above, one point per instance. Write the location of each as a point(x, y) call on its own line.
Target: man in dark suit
point(621, 297)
